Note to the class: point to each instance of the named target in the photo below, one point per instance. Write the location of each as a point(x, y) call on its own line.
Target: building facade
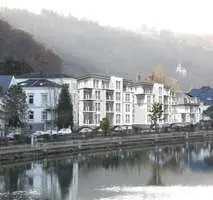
point(105, 96)
point(60, 79)
point(94, 97)
point(42, 99)
point(187, 109)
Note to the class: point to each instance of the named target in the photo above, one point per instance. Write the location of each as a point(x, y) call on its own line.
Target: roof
point(44, 75)
point(5, 82)
point(143, 84)
point(94, 76)
point(38, 83)
point(205, 94)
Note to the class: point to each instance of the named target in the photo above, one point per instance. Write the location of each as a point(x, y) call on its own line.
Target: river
point(158, 173)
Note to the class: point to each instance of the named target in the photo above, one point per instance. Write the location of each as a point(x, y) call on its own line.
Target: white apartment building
point(187, 109)
point(60, 79)
point(105, 96)
point(123, 102)
point(42, 98)
point(146, 94)
point(177, 107)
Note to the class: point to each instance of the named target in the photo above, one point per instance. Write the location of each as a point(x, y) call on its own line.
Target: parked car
point(11, 136)
point(65, 131)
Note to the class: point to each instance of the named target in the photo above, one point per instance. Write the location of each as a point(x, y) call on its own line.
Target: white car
point(65, 131)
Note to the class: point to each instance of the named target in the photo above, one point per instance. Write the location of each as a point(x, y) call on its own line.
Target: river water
point(159, 173)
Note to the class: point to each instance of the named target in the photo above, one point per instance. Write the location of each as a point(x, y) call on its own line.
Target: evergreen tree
point(16, 106)
point(65, 109)
point(105, 125)
point(156, 113)
point(209, 112)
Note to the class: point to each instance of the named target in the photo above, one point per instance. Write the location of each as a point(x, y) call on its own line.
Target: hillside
point(86, 46)
point(20, 49)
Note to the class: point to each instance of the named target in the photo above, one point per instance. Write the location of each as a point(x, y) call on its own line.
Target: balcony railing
point(109, 98)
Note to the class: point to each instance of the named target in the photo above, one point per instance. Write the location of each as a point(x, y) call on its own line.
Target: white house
point(187, 109)
point(104, 96)
point(60, 79)
point(42, 98)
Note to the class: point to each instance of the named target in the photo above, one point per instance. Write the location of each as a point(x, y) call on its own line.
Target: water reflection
point(90, 177)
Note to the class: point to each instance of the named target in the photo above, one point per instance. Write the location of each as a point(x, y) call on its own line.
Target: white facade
point(187, 109)
point(123, 102)
point(60, 79)
point(42, 102)
point(104, 96)
point(177, 107)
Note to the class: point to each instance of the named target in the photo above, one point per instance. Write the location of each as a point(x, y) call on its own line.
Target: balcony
point(87, 94)
point(109, 107)
point(88, 106)
point(109, 95)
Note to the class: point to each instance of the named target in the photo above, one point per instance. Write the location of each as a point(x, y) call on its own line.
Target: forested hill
point(86, 46)
point(19, 52)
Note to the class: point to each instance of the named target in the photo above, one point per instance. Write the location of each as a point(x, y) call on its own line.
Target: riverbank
point(21, 153)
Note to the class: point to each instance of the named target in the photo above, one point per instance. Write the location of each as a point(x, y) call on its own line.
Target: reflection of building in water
point(155, 178)
point(52, 183)
point(44, 181)
point(74, 187)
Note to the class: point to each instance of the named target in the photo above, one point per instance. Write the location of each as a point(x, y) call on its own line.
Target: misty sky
point(189, 16)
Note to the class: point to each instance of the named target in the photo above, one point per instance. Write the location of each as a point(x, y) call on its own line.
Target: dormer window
point(31, 99)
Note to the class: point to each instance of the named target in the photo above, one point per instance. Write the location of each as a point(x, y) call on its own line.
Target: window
point(31, 98)
point(118, 107)
point(97, 107)
point(160, 91)
point(118, 119)
point(149, 99)
point(103, 85)
point(44, 99)
point(97, 118)
point(96, 83)
point(31, 115)
point(160, 99)
point(97, 94)
point(127, 118)
point(118, 96)
point(127, 107)
point(127, 97)
point(118, 85)
point(44, 115)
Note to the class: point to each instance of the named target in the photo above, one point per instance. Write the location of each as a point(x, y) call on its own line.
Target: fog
point(86, 46)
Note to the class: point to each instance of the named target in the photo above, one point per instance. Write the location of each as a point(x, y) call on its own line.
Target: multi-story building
point(187, 109)
point(146, 94)
point(105, 96)
point(123, 102)
point(60, 79)
point(42, 98)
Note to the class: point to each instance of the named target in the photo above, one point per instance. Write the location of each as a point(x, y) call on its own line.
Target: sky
point(186, 16)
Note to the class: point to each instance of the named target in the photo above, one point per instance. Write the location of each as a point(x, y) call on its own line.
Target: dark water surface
point(178, 172)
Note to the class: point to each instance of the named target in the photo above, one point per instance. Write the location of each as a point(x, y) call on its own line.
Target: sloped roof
point(205, 94)
point(44, 76)
point(5, 82)
point(38, 83)
point(91, 75)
